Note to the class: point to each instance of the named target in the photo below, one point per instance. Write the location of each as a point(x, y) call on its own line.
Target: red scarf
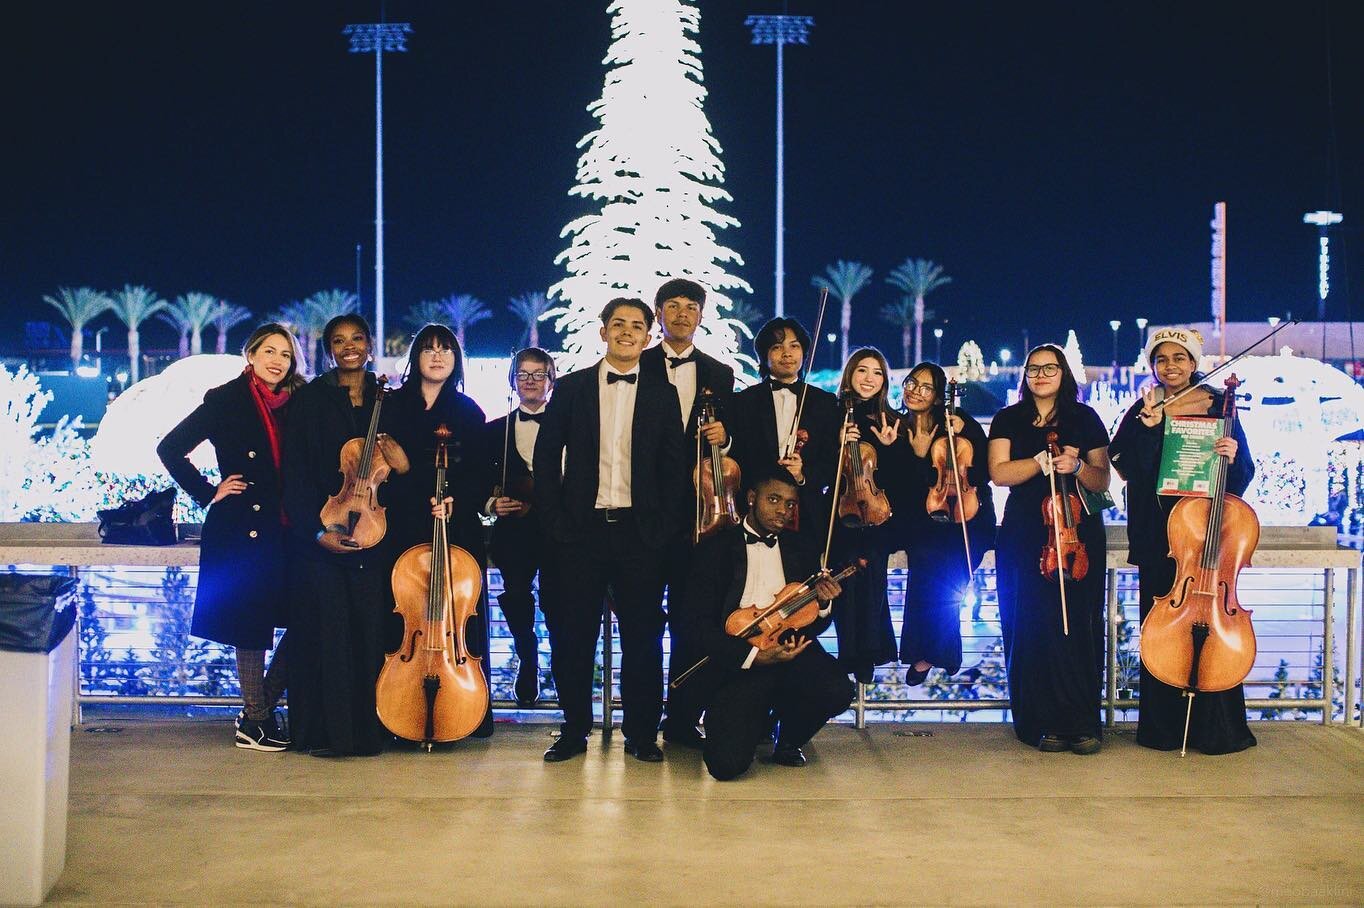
point(267, 406)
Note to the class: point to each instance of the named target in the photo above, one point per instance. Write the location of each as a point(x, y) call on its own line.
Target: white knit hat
point(1187, 338)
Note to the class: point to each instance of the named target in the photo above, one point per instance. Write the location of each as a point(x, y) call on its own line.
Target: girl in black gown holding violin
point(1218, 723)
point(933, 542)
point(428, 398)
point(1054, 667)
point(866, 638)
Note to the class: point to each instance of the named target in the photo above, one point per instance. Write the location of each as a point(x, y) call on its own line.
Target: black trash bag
point(36, 612)
point(147, 521)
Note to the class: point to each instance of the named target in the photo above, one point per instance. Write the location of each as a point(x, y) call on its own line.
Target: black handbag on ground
point(147, 521)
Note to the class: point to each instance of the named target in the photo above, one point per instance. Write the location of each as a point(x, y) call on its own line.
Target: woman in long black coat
point(240, 599)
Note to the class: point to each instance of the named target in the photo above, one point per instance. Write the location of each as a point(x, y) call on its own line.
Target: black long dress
point(861, 614)
point(1054, 678)
point(937, 554)
point(336, 618)
point(1218, 724)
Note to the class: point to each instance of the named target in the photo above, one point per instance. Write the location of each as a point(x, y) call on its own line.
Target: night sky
point(1059, 160)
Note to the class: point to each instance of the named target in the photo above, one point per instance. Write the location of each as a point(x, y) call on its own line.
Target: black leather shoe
point(1085, 745)
point(686, 736)
point(1052, 744)
point(914, 677)
point(644, 751)
point(485, 728)
point(565, 749)
point(527, 683)
point(787, 755)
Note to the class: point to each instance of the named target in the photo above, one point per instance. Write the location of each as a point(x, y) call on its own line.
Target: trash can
point(37, 668)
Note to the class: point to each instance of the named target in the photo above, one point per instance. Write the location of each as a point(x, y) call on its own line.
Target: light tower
point(781, 31)
point(376, 38)
point(1324, 221)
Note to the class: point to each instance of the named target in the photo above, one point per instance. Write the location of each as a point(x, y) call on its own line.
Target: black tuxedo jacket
point(710, 373)
point(567, 448)
point(719, 571)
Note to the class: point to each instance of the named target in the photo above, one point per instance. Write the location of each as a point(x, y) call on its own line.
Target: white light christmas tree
point(1072, 351)
point(970, 362)
point(654, 167)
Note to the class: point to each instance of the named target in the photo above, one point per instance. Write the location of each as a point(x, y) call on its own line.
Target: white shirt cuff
point(828, 608)
point(748, 661)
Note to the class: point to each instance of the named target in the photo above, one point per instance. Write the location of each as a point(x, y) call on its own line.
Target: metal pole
point(1351, 641)
point(379, 196)
point(780, 272)
point(1112, 683)
point(76, 716)
point(860, 709)
point(1328, 642)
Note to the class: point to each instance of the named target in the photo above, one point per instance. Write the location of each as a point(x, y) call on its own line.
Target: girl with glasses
point(1053, 675)
point(938, 574)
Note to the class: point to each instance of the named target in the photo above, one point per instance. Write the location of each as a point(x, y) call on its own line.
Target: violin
point(430, 688)
point(1198, 637)
point(952, 499)
point(355, 511)
point(802, 439)
point(862, 503)
point(1063, 554)
point(716, 479)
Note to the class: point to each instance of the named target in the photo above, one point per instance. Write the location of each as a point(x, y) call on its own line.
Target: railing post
point(1328, 641)
point(860, 707)
point(1351, 642)
point(1111, 686)
point(76, 717)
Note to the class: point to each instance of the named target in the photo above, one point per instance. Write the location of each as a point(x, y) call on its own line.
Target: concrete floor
point(168, 812)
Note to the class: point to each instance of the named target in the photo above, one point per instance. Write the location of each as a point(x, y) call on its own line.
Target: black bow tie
point(523, 416)
point(750, 538)
point(613, 377)
point(782, 386)
point(675, 361)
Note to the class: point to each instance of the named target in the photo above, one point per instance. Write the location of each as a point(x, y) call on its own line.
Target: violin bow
point(809, 365)
point(1230, 362)
point(833, 501)
point(956, 481)
point(1056, 533)
point(506, 430)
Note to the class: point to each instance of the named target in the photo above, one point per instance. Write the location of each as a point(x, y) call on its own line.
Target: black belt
point(613, 515)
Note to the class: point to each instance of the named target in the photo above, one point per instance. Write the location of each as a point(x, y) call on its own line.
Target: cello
point(1198, 637)
point(354, 511)
point(430, 688)
point(716, 479)
point(863, 503)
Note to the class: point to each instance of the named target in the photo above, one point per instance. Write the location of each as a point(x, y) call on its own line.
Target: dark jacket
point(710, 373)
point(1135, 451)
point(719, 571)
point(240, 597)
point(321, 421)
point(501, 445)
point(566, 494)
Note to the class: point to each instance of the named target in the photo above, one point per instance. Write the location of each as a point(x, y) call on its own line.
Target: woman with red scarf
point(240, 599)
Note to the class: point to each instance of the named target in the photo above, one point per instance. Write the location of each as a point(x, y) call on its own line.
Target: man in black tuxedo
point(763, 417)
point(797, 683)
point(518, 541)
point(679, 306)
point(610, 484)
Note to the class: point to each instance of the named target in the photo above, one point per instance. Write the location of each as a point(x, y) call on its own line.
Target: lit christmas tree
point(655, 169)
point(1072, 351)
point(970, 362)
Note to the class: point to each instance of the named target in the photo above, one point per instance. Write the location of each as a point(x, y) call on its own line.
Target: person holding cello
point(796, 682)
point(1218, 722)
point(679, 306)
point(934, 506)
point(1051, 594)
point(337, 619)
point(519, 547)
point(428, 398)
point(240, 598)
point(874, 444)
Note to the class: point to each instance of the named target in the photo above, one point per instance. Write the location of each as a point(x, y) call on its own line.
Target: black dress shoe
point(1053, 744)
point(686, 736)
point(787, 755)
point(565, 749)
point(527, 683)
point(485, 728)
point(914, 677)
point(644, 751)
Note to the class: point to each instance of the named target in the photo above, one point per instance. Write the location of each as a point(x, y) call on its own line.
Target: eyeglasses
point(532, 376)
point(1047, 370)
point(914, 387)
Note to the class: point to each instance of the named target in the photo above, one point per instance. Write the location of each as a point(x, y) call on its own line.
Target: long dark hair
point(1067, 396)
point(938, 410)
point(770, 334)
point(430, 336)
point(879, 402)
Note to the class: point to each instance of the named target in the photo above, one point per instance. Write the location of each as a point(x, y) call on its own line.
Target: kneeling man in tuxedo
point(797, 684)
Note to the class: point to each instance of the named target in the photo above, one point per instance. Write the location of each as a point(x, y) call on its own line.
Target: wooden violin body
point(795, 606)
point(355, 511)
point(431, 689)
point(716, 480)
point(1063, 554)
point(861, 503)
point(952, 499)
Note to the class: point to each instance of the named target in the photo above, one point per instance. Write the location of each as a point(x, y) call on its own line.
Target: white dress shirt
point(784, 403)
point(683, 378)
point(764, 579)
point(617, 401)
point(526, 432)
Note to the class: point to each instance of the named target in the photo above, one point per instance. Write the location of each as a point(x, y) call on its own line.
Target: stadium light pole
point(781, 31)
point(376, 38)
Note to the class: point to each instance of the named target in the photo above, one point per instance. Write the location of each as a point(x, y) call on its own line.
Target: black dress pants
point(608, 557)
point(803, 694)
point(519, 551)
point(686, 702)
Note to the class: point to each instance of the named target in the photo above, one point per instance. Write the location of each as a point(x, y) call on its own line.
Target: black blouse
point(1080, 428)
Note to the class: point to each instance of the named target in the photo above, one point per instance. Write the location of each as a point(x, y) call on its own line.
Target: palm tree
point(529, 307)
point(79, 307)
point(226, 317)
point(917, 278)
point(745, 312)
point(178, 320)
point(901, 314)
point(191, 314)
point(298, 318)
point(133, 306)
point(463, 310)
point(423, 314)
point(322, 307)
point(844, 280)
